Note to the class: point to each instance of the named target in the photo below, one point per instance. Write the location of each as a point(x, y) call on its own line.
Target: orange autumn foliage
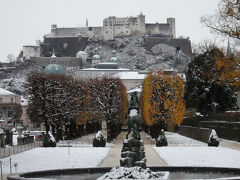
point(229, 71)
point(162, 99)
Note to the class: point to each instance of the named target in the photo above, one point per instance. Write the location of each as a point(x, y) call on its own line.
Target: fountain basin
point(94, 173)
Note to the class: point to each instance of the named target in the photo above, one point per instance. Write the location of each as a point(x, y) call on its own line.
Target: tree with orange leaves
point(229, 71)
point(162, 101)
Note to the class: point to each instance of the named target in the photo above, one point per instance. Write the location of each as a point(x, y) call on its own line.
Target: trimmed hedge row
point(224, 129)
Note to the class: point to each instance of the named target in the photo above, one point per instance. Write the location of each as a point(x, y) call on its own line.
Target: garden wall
point(200, 134)
point(225, 129)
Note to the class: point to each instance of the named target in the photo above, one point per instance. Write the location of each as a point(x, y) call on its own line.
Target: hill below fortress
point(134, 52)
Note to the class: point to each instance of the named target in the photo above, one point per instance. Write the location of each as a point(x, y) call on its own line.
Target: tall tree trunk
point(46, 126)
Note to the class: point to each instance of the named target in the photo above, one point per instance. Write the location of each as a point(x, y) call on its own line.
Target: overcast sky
point(25, 21)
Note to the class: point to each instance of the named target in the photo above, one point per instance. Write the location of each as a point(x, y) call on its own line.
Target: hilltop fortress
point(118, 27)
point(115, 34)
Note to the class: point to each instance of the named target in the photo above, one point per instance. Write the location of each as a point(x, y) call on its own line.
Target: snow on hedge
point(56, 158)
point(200, 156)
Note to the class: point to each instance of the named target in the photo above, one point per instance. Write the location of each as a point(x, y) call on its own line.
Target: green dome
point(114, 60)
point(96, 58)
point(54, 69)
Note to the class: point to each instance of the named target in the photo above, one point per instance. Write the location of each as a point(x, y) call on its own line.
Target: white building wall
point(118, 27)
point(31, 51)
point(9, 99)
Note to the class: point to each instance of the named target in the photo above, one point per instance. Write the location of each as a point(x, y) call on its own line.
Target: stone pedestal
point(133, 153)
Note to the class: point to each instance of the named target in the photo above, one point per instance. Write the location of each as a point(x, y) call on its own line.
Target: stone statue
point(133, 117)
point(133, 123)
point(134, 100)
point(133, 148)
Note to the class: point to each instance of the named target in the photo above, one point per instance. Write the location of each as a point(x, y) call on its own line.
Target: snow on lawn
point(177, 139)
point(56, 158)
point(200, 156)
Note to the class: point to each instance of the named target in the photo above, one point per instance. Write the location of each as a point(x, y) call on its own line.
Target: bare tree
point(226, 20)
point(10, 58)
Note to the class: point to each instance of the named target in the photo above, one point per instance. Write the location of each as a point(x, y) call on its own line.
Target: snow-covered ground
point(200, 156)
point(56, 158)
point(84, 141)
point(175, 139)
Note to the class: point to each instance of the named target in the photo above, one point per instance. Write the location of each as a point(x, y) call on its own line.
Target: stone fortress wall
point(118, 27)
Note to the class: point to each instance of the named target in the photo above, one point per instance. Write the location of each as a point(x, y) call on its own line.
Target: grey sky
point(22, 22)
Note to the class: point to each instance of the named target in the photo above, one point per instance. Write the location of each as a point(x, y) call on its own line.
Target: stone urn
point(162, 139)
point(213, 139)
point(99, 140)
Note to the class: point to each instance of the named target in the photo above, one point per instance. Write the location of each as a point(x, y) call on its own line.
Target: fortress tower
point(141, 23)
point(171, 21)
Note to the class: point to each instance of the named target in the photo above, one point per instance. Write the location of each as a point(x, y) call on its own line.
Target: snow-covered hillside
point(14, 78)
point(132, 54)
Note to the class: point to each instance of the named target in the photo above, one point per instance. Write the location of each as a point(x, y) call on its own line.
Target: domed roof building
point(54, 68)
point(114, 58)
point(96, 59)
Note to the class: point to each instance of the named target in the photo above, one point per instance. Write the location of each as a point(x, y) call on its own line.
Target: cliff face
point(132, 54)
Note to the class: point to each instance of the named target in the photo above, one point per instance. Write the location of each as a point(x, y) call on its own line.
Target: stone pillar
point(133, 153)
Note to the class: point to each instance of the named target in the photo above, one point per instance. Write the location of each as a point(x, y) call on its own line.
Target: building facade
point(7, 97)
